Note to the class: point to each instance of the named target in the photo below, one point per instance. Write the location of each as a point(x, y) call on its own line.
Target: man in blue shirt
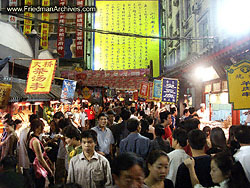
point(135, 142)
point(104, 136)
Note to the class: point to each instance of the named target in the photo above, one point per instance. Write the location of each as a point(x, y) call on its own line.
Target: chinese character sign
point(238, 76)
point(157, 89)
point(41, 74)
point(13, 19)
point(113, 52)
point(27, 23)
point(44, 42)
point(5, 90)
point(79, 32)
point(170, 90)
point(68, 89)
point(143, 90)
point(61, 30)
point(150, 91)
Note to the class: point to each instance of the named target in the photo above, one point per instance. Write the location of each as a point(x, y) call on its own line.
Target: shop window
point(203, 33)
point(187, 8)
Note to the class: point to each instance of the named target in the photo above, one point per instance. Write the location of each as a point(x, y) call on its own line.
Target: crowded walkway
point(122, 145)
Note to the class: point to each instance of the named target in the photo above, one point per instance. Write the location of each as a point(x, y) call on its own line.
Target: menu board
point(113, 52)
point(238, 76)
point(170, 91)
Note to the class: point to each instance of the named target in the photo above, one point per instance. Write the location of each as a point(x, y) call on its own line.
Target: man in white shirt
point(242, 134)
point(177, 156)
point(203, 113)
point(83, 117)
point(89, 169)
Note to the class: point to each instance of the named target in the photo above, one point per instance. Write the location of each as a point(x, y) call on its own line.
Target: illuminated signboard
point(113, 52)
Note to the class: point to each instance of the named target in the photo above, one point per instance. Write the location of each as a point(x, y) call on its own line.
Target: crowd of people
point(123, 146)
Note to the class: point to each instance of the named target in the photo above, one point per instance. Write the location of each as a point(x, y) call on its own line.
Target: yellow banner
point(112, 52)
point(27, 23)
point(41, 74)
point(5, 90)
point(238, 76)
point(44, 42)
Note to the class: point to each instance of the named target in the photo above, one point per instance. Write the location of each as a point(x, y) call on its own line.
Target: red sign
point(61, 30)
point(143, 90)
point(79, 31)
point(150, 90)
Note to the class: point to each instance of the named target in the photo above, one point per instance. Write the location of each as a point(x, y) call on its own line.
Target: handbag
point(40, 171)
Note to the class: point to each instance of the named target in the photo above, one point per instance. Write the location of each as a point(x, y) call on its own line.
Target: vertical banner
point(138, 17)
point(44, 42)
point(5, 90)
point(13, 19)
point(27, 23)
point(79, 31)
point(238, 77)
point(135, 96)
point(170, 90)
point(150, 91)
point(143, 90)
point(61, 30)
point(157, 89)
point(68, 90)
point(41, 74)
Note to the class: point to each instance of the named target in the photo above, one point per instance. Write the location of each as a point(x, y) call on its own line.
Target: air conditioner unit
point(178, 31)
point(196, 8)
point(184, 23)
point(176, 3)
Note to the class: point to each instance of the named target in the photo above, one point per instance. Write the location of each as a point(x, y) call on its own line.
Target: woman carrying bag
point(40, 167)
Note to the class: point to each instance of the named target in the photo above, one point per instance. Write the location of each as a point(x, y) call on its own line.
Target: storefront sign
point(157, 89)
point(150, 91)
point(79, 31)
point(238, 76)
point(143, 90)
point(61, 30)
point(41, 74)
point(13, 19)
point(44, 42)
point(5, 90)
point(137, 17)
point(170, 90)
point(27, 23)
point(68, 90)
point(86, 93)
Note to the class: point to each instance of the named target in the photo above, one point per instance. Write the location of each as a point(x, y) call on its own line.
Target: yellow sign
point(5, 90)
point(86, 93)
point(27, 23)
point(44, 42)
point(238, 76)
point(41, 74)
point(113, 52)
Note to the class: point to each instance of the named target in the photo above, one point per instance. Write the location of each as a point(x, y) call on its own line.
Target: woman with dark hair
point(158, 167)
point(232, 143)
point(145, 129)
point(223, 172)
point(10, 143)
point(36, 153)
point(218, 141)
point(158, 143)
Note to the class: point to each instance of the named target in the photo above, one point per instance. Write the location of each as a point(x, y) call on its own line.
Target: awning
point(18, 94)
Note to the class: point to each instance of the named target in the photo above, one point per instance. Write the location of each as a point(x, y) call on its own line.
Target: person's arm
point(39, 155)
point(70, 178)
point(190, 163)
point(107, 173)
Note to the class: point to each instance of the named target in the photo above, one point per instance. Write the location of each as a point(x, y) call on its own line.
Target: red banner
point(150, 90)
point(61, 30)
point(143, 90)
point(79, 31)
